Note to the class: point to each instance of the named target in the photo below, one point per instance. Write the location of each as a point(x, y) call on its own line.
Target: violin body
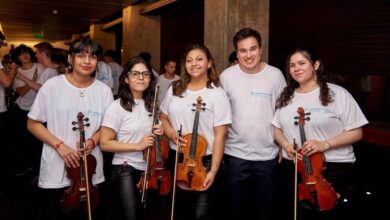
point(315, 192)
point(191, 173)
point(75, 196)
point(158, 177)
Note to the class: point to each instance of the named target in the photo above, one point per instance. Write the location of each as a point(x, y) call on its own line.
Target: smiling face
point(197, 63)
point(138, 83)
point(84, 63)
point(249, 55)
point(302, 69)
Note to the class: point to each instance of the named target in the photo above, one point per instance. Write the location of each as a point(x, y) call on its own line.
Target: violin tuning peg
point(74, 122)
point(295, 123)
point(193, 104)
point(308, 113)
point(307, 118)
point(193, 110)
point(74, 128)
point(87, 125)
point(296, 117)
point(86, 119)
point(204, 104)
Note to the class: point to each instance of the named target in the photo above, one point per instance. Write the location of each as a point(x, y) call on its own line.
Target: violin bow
point(175, 175)
point(295, 179)
point(146, 179)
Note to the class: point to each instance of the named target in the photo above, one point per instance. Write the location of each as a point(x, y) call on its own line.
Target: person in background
point(167, 78)
point(250, 152)
point(6, 78)
point(233, 60)
point(111, 58)
point(103, 70)
point(199, 78)
point(335, 124)
point(27, 90)
point(148, 58)
point(44, 52)
point(84, 94)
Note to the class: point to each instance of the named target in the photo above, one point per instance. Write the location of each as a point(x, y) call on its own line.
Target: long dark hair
point(321, 76)
point(180, 85)
point(124, 92)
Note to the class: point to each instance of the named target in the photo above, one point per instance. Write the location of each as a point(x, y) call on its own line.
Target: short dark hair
point(45, 47)
point(2, 37)
point(111, 53)
point(146, 56)
point(246, 33)
point(233, 57)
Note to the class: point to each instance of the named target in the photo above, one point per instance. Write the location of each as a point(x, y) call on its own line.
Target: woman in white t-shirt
point(335, 124)
point(127, 131)
point(199, 78)
point(57, 104)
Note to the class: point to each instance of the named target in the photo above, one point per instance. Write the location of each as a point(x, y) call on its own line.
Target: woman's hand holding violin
point(313, 146)
point(146, 142)
point(69, 155)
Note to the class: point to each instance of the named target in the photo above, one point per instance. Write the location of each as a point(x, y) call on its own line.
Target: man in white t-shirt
point(250, 153)
point(110, 56)
point(166, 79)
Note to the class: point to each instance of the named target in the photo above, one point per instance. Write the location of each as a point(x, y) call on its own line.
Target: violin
point(191, 173)
point(156, 176)
point(314, 192)
point(81, 192)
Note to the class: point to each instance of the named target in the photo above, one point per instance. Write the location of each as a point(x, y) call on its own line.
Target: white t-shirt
point(130, 127)
point(25, 102)
point(343, 114)
point(103, 73)
point(253, 98)
point(116, 71)
point(164, 84)
point(58, 103)
point(3, 107)
point(180, 112)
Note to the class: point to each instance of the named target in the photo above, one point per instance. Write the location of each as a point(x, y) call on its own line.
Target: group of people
point(247, 120)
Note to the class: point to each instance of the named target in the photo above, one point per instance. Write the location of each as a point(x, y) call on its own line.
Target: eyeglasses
point(137, 74)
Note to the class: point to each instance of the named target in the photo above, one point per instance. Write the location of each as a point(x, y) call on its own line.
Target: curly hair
point(23, 49)
point(179, 86)
point(125, 94)
point(321, 76)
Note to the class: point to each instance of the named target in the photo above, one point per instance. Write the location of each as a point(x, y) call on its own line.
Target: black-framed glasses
point(137, 74)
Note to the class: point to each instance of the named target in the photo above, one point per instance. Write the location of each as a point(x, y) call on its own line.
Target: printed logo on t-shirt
point(260, 94)
point(323, 110)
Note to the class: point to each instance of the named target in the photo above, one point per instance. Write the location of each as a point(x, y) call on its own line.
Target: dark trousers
point(192, 205)
point(51, 207)
point(124, 194)
point(339, 175)
point(28, 146)
point(7, 156)
point(250, 185)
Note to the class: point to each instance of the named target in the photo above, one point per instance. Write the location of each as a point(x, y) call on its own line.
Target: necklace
point(84, 87)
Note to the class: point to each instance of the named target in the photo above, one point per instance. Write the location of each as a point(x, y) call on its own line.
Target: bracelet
point(56, 146)
point(93, 143)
